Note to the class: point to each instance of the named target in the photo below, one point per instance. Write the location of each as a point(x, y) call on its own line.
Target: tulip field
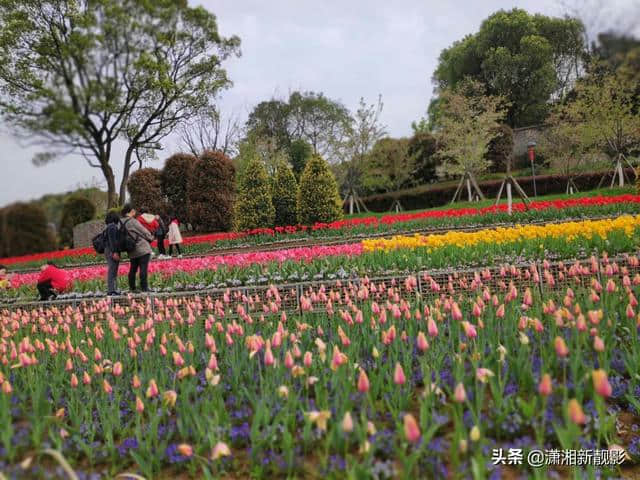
point(408, 355)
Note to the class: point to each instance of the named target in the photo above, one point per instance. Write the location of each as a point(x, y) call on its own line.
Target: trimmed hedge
point(254, 207)
point(318, 197)
point(284, 194)
point(173, 178)
point(24, 230)
point(211, 192)
point(145, 189)
point(76, 210)
point(436, 196)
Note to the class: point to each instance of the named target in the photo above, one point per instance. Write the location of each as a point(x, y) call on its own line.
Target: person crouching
point(52, 281)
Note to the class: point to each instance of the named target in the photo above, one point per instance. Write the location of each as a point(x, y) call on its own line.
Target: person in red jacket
point(52, 280)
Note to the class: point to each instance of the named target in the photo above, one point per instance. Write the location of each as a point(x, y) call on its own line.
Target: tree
point(254, 206)
point(284, 195)
point(468, 125)
point(422, 147)
point(24, 230)
point(318, 197)
point(568, 155)
point(527, 59)
point(603, 114)
point(81, 76)
point(500, 148)
point(174, 179)
point(211, 192)
point(308, 116)
point(145, 189)
point(299, 153)
point(389, 165)
point(362, 135)
point(210, 131)
point(76, 210)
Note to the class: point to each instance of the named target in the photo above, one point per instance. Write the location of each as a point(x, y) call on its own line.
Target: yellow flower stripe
point(568, 230)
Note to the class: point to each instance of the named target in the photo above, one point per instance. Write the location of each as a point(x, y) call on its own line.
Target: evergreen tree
point(254, 207)
point(284, 194)
point(318, 197)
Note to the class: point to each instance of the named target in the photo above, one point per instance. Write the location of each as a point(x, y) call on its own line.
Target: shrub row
point(23, 230)
point(436, 196)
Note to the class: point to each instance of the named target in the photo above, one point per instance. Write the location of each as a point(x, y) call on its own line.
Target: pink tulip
point(561, 347)
point(139, 405)
point(307, 359)
point(268, 356)
point(469, 329)
point(459, 394)
point(422, 342)
point(411, 429)
point(363, 382)
point(545, 387)
point(598, 344)
point(74, 380)
point(576, 414)
point(432, 328)
point(288, 360)
point(152, 390)
point(398, 375)
point(601, 383)
point(117, 369)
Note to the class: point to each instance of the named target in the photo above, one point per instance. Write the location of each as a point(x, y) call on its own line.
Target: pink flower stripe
point(212, 262)
point(354, 222)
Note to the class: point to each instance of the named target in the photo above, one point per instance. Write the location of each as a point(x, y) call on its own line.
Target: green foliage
point(173, 178)
point(145, 189)
point(53, 203)
point(211, 192)
point(254, 206)
point(389, 166)
point(522, 57)
point(308, 116)
point(318, 197)
point(422, 146)
point(24, 230)
point(299, 153)
point(76, 210)
point(500, 149)
point(284, 195)
point(83, 75)
point(469, 123)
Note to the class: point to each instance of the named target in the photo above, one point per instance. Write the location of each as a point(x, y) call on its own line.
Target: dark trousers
point(161, 249)
point(143, 264)
point(177, 245)
point(112, 272)
point(46, 291)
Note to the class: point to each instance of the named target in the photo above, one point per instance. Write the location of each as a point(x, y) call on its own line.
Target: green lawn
point(487, 203)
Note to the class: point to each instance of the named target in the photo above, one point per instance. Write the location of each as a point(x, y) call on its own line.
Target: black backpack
point(99, 241)
point(126, 242)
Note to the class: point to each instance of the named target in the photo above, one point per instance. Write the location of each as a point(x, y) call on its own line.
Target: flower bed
point(562, 240)
point(539, 210)
point(367, 378)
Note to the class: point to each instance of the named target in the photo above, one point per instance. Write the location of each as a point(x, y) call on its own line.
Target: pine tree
point(254, 207)
point(284, 194)
point(318, 197)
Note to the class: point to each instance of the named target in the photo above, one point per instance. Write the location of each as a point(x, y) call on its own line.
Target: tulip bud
point(411, 429)
point(117, 369)
point(347, 423)
point(398, 375)
point(363, 382)
point(74, 380)
point(221, 449)
point(152, 391)
point(561, 347)
point(576, 415)
point(475, 434)
point(545, 386)
point(185, 450)
point(459, 394)
point(139, 405)
point(169, 398)
point(601, 383)
point(421, 342)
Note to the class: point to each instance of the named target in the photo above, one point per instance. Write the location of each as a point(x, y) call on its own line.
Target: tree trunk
point(125, 175)
point(107, 171)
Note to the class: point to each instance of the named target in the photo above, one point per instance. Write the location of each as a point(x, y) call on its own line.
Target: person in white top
point(175, 237)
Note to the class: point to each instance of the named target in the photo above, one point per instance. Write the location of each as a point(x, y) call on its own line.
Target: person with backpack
point(160, 234)
point(175, 237)
point(112, 251)
point(140, 254)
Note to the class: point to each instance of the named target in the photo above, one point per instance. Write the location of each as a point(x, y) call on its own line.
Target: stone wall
point(84, 232)
point(522, 136)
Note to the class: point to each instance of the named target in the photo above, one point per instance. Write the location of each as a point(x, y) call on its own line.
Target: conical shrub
point(284, 194)
point(254, 207)
point(318, 197)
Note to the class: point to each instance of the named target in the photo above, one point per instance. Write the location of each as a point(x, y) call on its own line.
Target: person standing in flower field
point(141, 254)
point(160, 234)
point(52, 280)
point(175, 237)
point(112, 252)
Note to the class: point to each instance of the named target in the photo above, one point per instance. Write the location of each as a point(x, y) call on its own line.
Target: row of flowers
point(366, 224)
point(367, 378)
point(559, 240)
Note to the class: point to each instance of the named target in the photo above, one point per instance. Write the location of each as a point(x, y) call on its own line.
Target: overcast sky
point(346, 49)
